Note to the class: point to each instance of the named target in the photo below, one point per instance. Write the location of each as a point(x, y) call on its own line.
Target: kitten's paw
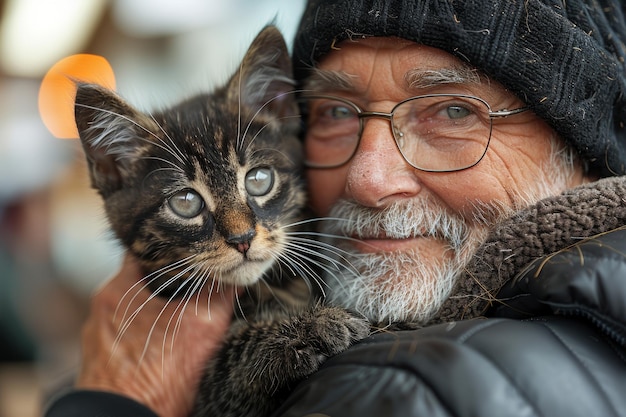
point(333, 329)
point(312, 337)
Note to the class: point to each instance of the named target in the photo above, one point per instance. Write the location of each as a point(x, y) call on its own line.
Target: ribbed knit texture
point(565, 59)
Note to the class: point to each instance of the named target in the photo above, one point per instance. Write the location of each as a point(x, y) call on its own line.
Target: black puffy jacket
point(553, 345)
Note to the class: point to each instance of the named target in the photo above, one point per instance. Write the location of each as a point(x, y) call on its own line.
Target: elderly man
point(452, 135)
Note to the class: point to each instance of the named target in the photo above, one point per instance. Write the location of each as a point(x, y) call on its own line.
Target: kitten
point(208, 192)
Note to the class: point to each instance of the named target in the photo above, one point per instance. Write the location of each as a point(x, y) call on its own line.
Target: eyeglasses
point(434, 133)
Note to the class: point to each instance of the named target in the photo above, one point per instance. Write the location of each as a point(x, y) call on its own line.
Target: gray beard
point(399, 286)
point(395, 287)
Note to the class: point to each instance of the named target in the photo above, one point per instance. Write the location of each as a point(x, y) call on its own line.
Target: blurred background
point(54, 245)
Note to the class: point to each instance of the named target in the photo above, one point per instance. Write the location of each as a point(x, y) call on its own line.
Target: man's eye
point(340, 112)
point(457, 112)
point(332, 111)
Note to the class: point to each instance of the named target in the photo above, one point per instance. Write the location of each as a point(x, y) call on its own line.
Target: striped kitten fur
point(210, 192)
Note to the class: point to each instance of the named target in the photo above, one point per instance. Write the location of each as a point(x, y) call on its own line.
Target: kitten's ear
point(110, 131)
point(265, 79)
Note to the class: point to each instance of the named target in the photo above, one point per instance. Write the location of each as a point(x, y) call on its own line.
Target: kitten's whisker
point(206, 273)
point(323, 266)
point(296, 164)
point(240, 307)
point(256, 135)
point(150, 278)
point(203, 279)
point(125, 324)
point(338, 261)
point(239, 106)
point(306, 275)
point(208, 302)
point(327, 247)
point(303, 264)
point(301, 249)
point(179, 309)
point(314, 220)
point(251, 141)
point(198, 282)
point(277, 255)
point(306, 247)
point(258, 112)
point(107, 128)
point(172, 297)
point(157, 318)
point(341, 254)
point(299, 262)
point(168, 146)
point(174, 150)
point(164, 169)
point(142, 282)
point(173, 165)
point(241, 136)
point(157, 170)
point(250, 290)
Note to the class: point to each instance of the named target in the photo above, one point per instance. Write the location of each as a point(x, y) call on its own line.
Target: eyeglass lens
point(433, 133)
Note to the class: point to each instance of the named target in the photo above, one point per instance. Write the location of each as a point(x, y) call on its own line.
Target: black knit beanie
point(564, 58)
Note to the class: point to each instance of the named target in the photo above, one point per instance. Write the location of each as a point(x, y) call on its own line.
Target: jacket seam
point(582, 365)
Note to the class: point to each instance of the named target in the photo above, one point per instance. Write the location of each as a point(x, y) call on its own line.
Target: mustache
point(402, 219)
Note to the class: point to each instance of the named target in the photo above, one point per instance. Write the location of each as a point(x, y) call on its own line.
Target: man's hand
point(144, 362)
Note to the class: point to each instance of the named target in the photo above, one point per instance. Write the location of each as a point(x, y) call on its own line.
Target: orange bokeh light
point(58, 90)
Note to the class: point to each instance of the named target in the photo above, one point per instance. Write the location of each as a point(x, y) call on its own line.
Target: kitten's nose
point(241, 242)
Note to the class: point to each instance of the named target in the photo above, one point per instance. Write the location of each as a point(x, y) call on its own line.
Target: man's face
point(392, 206)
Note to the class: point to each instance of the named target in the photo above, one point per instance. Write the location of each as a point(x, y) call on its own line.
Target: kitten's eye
point(186, 203)
point(259, 181)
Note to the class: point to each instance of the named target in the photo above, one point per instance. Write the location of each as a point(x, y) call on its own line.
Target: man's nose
point(378, 174)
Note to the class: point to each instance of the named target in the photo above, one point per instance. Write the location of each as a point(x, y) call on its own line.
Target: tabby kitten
point(208, 192)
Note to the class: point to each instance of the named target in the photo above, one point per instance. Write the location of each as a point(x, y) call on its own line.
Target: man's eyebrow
point(420, 78)
point(321, 81)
